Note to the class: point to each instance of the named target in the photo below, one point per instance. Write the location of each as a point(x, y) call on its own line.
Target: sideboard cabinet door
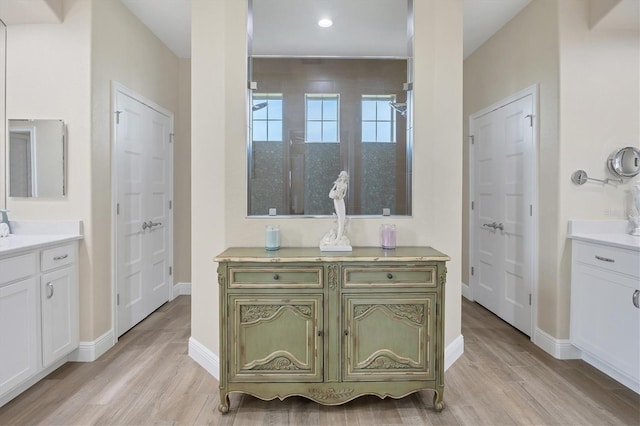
point(389, 337)
point(276, 338)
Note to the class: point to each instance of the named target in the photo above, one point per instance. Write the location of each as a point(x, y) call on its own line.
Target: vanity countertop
point(612, 233)
point(30, 235)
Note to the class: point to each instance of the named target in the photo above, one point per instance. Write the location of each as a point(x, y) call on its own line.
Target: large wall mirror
point(36, 158)
point(325, 98)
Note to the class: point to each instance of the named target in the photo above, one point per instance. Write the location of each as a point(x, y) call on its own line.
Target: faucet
point(5, 218)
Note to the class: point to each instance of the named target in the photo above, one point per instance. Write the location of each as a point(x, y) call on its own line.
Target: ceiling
point(170, 20)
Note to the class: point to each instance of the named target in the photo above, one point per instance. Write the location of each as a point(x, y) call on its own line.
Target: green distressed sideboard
point(331, 326)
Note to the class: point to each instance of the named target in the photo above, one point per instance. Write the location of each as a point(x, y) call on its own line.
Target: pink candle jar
point(388, 236)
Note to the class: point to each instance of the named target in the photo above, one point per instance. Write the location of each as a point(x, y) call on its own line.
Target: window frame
point(266, 97)
point(392, 118)
point(323, 97)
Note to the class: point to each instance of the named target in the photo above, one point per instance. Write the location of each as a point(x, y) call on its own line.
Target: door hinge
point(170, 204)
point(117, 113)
point(118, 208)
point(473, 205)
point(473, 270)
point(170, 270)
point(530, 117)
point(171, 136)
point(118, 299)
point(529, 299)
point(472, 138)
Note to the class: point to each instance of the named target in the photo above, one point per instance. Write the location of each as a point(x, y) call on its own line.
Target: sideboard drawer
point(17, 267)
point(389, 276)
point(605, 257)
point(275, 277)
point(58, 256)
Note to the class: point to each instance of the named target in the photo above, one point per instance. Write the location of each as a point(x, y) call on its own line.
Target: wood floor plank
point(148, 378)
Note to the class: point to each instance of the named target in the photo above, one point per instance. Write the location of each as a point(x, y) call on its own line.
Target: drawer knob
point(346, 332)
point(64, 256)
point(605, 259)
point(319, 333)
point(636, 299)
point(390, 275)
point(276, 277)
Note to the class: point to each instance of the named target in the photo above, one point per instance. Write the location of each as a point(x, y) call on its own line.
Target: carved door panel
point(275, 338)
point(389, 337)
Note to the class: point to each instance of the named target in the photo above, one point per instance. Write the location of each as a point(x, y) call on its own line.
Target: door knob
point(499, 226)
point(150, 224)
point(490, 225)
point(144, 226)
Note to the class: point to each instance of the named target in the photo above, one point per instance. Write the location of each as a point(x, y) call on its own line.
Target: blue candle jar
point(272, 237)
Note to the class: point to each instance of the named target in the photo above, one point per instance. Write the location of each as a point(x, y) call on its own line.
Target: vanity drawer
point(275, 277)
point(58, 256)
point(17, 267)
point(605, 257)
point(389, 276)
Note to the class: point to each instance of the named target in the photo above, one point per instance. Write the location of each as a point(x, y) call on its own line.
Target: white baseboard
point(90, 351)
point(180, 289)
point(466, 291)
point(612, 372)
point(453, 351)
point(8, 396)
point(557, 348)
point(204, 357)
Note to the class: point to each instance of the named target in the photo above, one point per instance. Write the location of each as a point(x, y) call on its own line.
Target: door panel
point(502, 224)
point(388, 337)
point(143, 158)
point(277, 339)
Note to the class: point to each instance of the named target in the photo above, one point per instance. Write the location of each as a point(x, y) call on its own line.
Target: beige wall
point(182, 177)
point(523, 53)
point(599, 113)
point(48, 76)
point(65, 71)
point(123, 51)
point(219, 126)
point(588, 105)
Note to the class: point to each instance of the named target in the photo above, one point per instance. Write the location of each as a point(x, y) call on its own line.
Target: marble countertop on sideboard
point(614, 233)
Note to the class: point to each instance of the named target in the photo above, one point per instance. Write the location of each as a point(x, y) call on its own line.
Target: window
point(266, 112)
point(321, 112)
point(378, 118)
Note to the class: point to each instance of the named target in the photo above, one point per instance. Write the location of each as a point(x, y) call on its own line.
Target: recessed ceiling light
point(325, 22)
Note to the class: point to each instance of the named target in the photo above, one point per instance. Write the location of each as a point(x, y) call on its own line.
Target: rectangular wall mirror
point(326, 99)
point(36, 158)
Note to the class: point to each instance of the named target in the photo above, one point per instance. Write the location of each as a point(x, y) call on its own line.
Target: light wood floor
point(148, 378)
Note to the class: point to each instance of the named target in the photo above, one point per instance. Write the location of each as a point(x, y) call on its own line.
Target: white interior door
point(502, 220)
point(143, 216)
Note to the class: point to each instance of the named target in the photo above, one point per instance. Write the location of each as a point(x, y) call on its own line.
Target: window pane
point(275, 130)
point(259, 130)
point(368, 110)
point(275, 109)
point(314, 109)
point(384, 131)
point(368, 131)
point(384, 110)
point(259, 114)
point(329, 131)
point(330, 109)
point(314, 131)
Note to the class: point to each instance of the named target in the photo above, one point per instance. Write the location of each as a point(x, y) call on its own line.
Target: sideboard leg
point(438, 402)
point(224, 403)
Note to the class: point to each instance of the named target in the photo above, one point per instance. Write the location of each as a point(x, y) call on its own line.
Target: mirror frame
point(63, 159)
point(615, 163)
point(407, 177)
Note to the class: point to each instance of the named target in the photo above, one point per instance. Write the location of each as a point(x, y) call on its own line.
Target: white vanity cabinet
point(59, 303)
point(19, 320)
point(38, 314)
point(605, 311)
